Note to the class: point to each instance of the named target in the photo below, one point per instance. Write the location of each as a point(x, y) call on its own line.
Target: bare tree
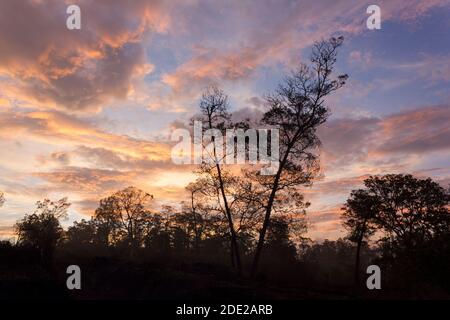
point(197, 210)
point(214, 116)
point(297, 109)
point(127, 212)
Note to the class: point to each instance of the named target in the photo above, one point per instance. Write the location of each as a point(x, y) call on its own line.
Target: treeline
point(399, 222)
point(126, 221)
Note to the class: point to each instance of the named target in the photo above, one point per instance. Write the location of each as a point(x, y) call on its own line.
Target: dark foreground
point(169, 279)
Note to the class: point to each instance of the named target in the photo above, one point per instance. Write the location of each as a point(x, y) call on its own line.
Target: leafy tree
point(158, 233)
point(409, 210)
point(297, 109)
point(83, 233)
point(108, 222)
point(411, 214)
point(41, 229)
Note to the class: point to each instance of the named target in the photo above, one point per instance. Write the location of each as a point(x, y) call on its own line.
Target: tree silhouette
point(196, 211)
point(158, 233)
point(409, 210)
point(279, 243)
point(108, 223)
point(214, 116)
point(83, 233)
point(125, 215)
point(297, 109)
point(358, 215)
point(411, 214)
point(41, 229)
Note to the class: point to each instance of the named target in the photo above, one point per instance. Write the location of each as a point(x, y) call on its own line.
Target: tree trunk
point(234, 246)
point(357, 262)
point(262, 233)
point(358, 253)
point(232, 255)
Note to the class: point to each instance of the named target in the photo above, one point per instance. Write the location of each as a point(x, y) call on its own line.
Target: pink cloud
point(51, 66)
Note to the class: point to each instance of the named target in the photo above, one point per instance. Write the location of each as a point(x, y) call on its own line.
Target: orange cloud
point(59, 129)
point(51, 66)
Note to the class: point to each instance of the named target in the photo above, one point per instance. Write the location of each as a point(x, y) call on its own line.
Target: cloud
point(256, 102)
point(418, 131)
point(104, 158)
point(432, 68)
point(50, 66)
point(59, 158)
point(363, 59)
point(86, 180)
point(348, 141)
point(57, 128)
point(6, 232)
point(326, 224)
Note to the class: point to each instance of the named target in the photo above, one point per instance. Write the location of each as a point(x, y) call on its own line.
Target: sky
point(84, 113)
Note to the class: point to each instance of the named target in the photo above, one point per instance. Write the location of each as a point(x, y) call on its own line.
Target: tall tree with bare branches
point(215, 118)
point(297, 109)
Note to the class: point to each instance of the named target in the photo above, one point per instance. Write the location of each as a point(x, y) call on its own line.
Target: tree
point(83, 233)
point(411, 214)
point(279, 242)
point(158, 233)
point(196, 211)
point(108, 222)
point(409, 210)
point(297, 109)
point(359, 212)
point(125, 215)
point(214, 116)
point(327, 262)
point(41, 229)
